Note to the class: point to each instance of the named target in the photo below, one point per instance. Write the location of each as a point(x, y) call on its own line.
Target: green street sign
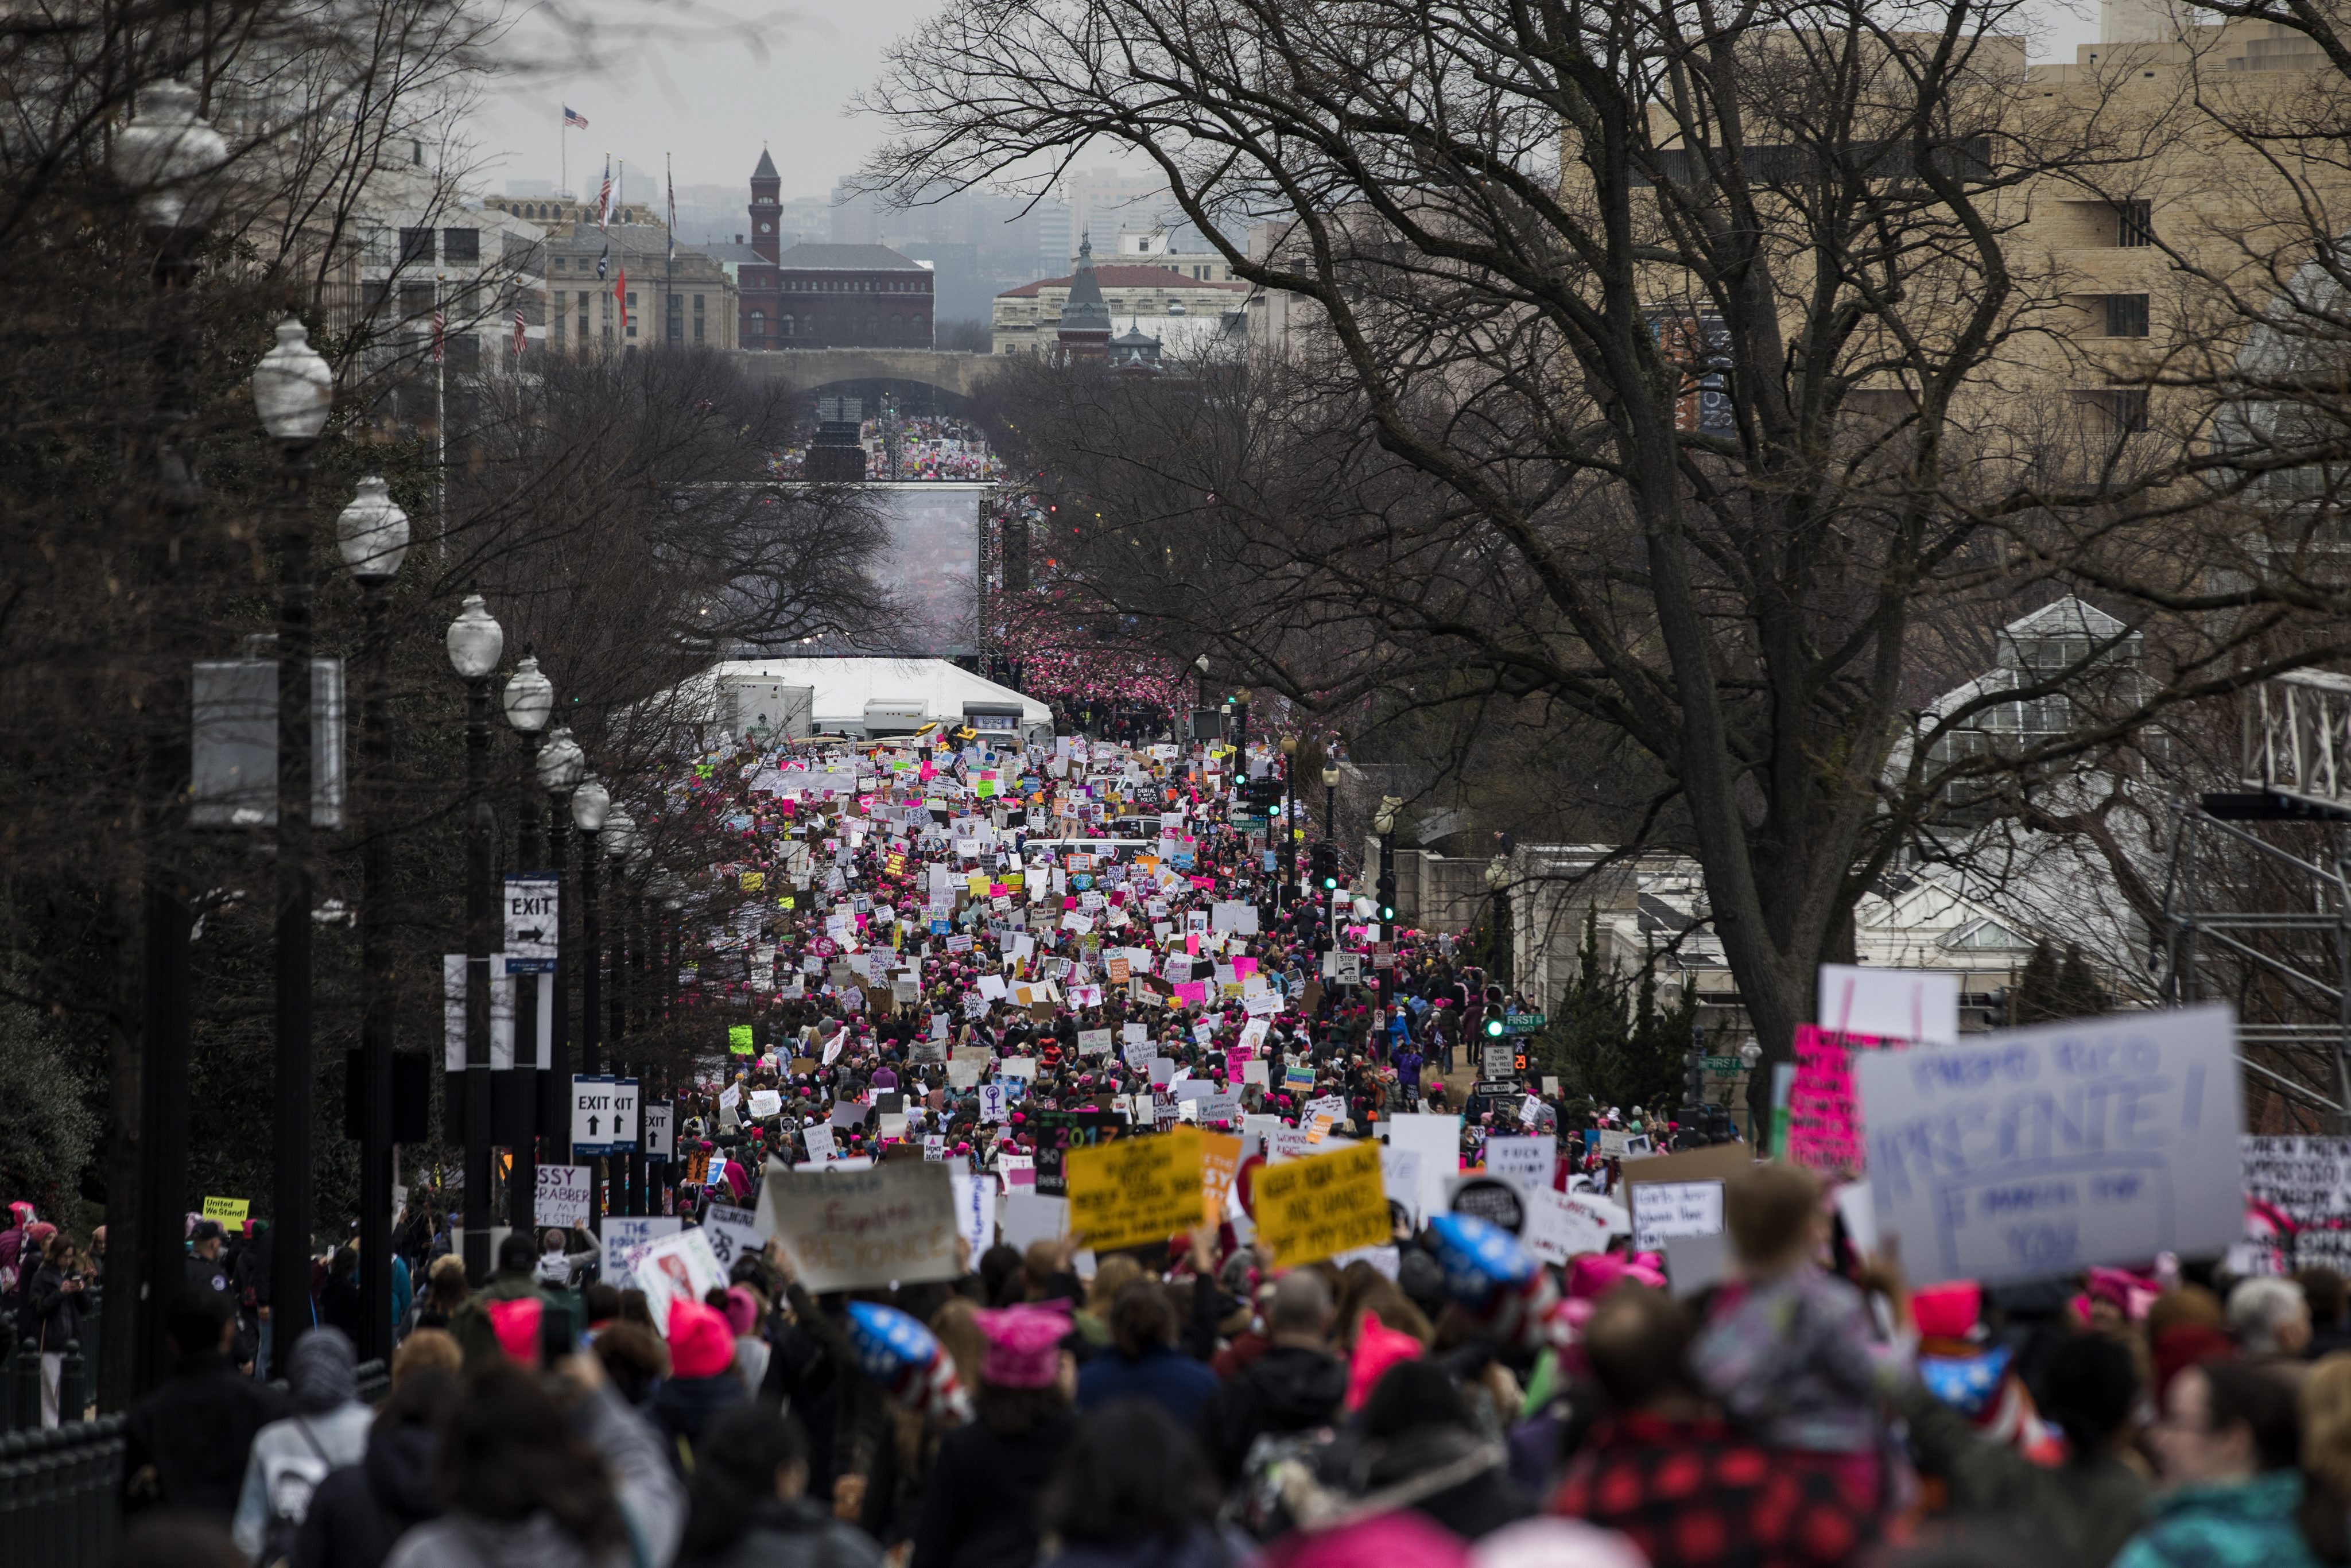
point(1724, 1065)
point(1524, 1023)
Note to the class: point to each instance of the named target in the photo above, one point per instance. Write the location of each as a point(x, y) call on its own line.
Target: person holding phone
point(60, 1311)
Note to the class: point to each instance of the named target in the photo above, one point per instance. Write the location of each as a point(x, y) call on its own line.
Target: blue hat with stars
point(888, 1341)
point(1478, 1255)
point(1968, 1383)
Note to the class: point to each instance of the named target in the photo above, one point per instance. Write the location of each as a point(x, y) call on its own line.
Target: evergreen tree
point(2079, 994)
point(2037, 997)
point(1609, 1040)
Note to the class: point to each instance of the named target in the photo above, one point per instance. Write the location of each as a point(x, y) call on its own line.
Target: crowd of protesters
point(953, 947)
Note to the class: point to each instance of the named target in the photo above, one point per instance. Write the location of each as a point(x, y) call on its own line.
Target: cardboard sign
point(561, 1196)
point(845, 1229)
point(1823, 1129)
point(1135, 1191)
point(1918, 1005)
point(2045, 1150)
point(1310, 1209)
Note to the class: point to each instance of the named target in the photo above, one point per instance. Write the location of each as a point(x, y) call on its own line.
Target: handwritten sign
point(1562, 1225)
point(1310, 1209)
point(2045, 1150)
point(1136, 1190)
point(562, 1196)
point(844, 1230)
point(1526, 1161)
point(1823, 1130)
point(2297, 1195)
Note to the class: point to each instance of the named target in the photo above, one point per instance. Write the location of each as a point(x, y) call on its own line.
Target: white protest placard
point(733, 1232)
point(2308, 1181)
point(1663, 1208)
point(2045, 1150)
point(1400, 1173)
point(1562, 1225)
point(1093, 1042)
point(1437, 1138)
point(820, 1143)
point(1033, 1216)
point(845, 1229)
point(975, 1208)
point(625, 1240)
point(562, 1196)
point(1236, 917)
point(1527, 1162)
point(680, 1266)
point(766, 1102)
point(1921, 1005)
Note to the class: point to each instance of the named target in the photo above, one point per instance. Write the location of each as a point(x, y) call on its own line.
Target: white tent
point(862, 696)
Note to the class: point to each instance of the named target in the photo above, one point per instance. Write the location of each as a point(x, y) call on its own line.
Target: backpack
point(288, 1481)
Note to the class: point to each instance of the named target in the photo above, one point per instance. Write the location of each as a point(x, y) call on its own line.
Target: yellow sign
point(229, 1210)
point(755, 881)
point(1135, 1191)
point(1310, 1210)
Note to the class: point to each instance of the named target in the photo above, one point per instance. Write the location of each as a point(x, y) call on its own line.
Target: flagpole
point(669, 265)
point(440, 427)
point(563, 158)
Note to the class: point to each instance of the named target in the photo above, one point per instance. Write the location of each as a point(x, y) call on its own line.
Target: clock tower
point(766, 210)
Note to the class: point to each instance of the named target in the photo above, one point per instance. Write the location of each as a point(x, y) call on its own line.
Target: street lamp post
point(293, 390)
point(476, 643)
point(372, 537)
point(1331, 837)
point(1385, 825)
point(561, 766)
point(530, 702)
point(589, 803)
point(619, 845)
point(1289, 811)
point(165, 153)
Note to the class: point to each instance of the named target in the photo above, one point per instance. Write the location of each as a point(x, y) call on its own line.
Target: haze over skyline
point(710, 84)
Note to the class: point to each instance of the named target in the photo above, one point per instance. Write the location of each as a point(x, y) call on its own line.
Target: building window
point(697, 326)
point(787, 321)
point(415, 301)
point(2134, 223)
point(759, 325)
point(2125, 315)
point(375, 247)
point(2122, 410)
point(415, 244)
point(697, 305)
point(461, 245)
point(557, 318)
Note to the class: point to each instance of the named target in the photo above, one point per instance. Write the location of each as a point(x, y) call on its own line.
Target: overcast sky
point(709, 81)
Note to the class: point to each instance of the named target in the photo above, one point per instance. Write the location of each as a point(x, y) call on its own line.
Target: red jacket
point(1699, 1494)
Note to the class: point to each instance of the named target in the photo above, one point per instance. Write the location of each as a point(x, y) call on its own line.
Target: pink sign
point(1194, 992)
point(1823, 1125)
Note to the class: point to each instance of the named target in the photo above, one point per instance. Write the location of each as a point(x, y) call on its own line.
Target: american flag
point(573, 119)
point(519, 332)
point(440, 324)
point(604, 196)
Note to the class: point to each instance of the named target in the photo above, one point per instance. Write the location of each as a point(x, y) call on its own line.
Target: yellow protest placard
point(1309, 1210)
point(1135, 1191)
point(228, 1210)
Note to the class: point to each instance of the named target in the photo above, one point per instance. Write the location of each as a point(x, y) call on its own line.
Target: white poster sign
point(1527, 1162)
point(2045, 1150)
point(1921, 1005)
point(562, 1196)
point(626, 1239)
point(734, 1233)
point(678, 1268)
point(843, 1230)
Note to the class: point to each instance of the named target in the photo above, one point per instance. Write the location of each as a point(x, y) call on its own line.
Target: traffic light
point(1495, 1028)
point(1387, 898)
point(1326, 866)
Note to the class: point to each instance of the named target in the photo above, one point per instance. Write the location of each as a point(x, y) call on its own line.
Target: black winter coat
point(186, 1442)
point(980, 1503)
point(360, 1512)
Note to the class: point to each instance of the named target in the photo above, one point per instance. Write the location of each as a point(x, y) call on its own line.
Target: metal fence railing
point(61, 1486)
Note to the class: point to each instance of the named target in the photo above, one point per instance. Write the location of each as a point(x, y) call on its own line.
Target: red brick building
point(822, 296)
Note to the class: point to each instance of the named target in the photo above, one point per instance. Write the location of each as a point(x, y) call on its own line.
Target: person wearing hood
point(361, 1512)
point(747, 1505)
point(1295, 1386)
point(186, 1440)
point(981, 1505)
point(702, 1381)
point(1416, 1427)
point(328, 1430)
point(527, 1481)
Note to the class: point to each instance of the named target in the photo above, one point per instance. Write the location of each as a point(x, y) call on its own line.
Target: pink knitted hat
point(1024, 1344)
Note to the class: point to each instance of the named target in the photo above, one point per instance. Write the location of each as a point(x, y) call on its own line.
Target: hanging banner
point(530, 922)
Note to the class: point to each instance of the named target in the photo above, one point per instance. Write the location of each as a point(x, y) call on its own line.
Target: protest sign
point(1220, 1158)
point(1136, 1190)
point(625, 1240)
point(734, 1233)
point(846, 1229)
point(2297, 1202)
point(1563, 1225)
point(1681, 1195)
point(674, 1268)
point(562, 1196)
point(1058, 1132)
point(1921, 1005)
point(2045, 1150)
point(1029, 1215)
point(1309, 1210)
point(1823, 1131)
point(228, 1210)
point(1528, 1161)
point(1437, 1138)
